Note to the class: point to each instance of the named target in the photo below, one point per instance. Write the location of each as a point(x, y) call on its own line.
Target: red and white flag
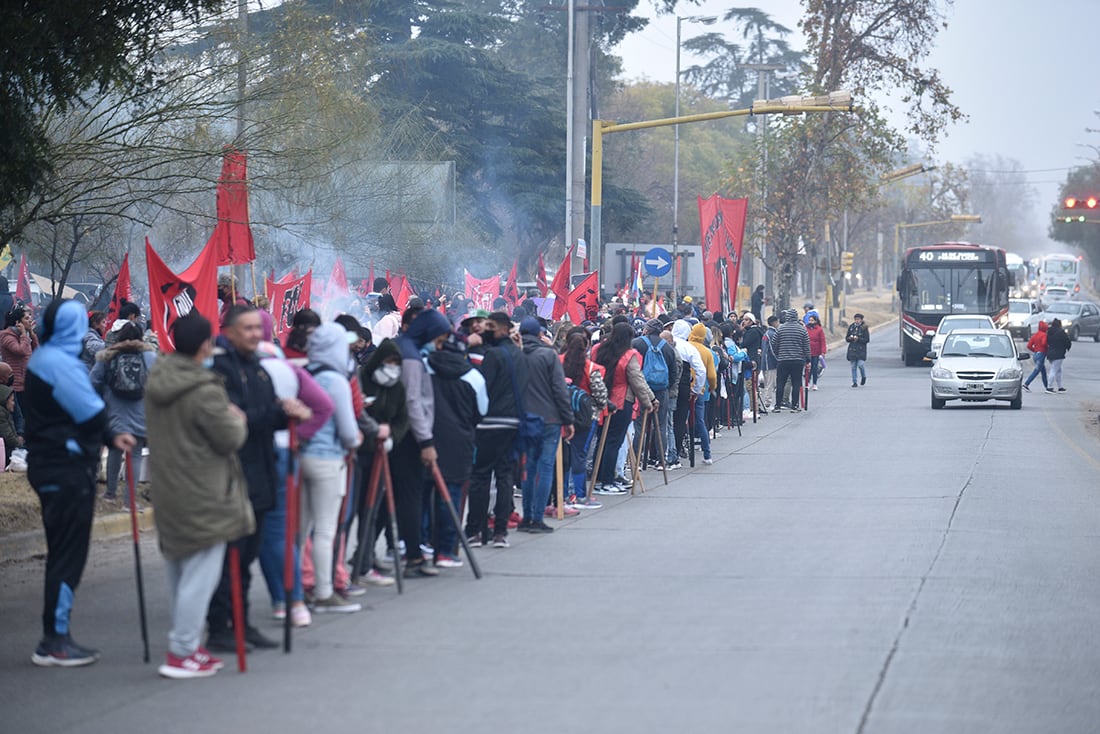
point(482, 291)
point(172, 296)
point(722, 230)
point(287, 299)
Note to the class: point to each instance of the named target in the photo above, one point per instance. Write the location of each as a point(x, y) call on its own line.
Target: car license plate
point(975, 386)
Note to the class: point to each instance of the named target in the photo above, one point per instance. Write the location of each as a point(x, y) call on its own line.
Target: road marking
point(1073, 444)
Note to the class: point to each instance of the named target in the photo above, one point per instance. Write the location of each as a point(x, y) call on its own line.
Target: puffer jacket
point(15, 349)
point(126, 415)
point(547, 395)
point(698, 340)
point(858, 337)
point(197, 485)
point(818, 345)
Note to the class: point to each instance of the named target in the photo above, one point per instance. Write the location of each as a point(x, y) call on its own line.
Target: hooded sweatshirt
point(1058, 341)
point(698, 339)
point(328, 359)
point(385, 404)
point(681, 330)
point(1038, 341)
point(197, 484)
point(460, 401)
point(419, 397)
point(66, 421)
point(791, 342)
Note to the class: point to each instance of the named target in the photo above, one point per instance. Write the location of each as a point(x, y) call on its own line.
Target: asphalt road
point(868, 566)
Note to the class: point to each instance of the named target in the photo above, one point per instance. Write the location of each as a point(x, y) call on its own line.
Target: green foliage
point(1080, 182)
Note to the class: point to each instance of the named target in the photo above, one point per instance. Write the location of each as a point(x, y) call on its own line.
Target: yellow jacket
point(698, 340)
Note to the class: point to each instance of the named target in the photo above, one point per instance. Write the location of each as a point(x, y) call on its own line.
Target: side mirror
point(1025, 355)
point(931, 355)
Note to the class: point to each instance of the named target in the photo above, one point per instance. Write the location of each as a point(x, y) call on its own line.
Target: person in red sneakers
point(197, 486)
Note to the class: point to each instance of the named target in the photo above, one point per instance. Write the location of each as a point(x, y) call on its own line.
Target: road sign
point(657, 261)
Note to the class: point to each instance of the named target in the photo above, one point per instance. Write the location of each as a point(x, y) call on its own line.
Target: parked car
point(960, 321)
point(978, 365)
point(1020, 311)
point(1079, 318)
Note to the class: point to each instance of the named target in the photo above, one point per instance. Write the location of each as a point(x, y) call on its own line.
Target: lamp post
point(676, 272)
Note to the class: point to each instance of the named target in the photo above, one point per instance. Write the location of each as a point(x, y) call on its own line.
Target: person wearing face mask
point(416, 453)
point(505, 373)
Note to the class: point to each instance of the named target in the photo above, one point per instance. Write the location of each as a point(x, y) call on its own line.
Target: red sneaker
point(184, 668)
point(514, 520)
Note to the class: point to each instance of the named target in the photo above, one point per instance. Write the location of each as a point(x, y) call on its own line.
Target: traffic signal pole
point(832, 102)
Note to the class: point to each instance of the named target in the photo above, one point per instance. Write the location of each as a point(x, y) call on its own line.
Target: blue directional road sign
point(657, 261)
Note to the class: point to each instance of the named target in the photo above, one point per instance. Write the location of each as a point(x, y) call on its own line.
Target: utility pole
point(577, 96)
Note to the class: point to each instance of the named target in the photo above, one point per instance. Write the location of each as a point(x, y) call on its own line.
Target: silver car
point(976, 365)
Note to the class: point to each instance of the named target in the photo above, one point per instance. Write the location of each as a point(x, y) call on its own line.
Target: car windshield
point(949, 325)
point(1070, 308)
point(1019, 307)
point(978, 345)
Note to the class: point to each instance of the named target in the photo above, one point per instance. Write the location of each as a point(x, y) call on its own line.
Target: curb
point(26, 545)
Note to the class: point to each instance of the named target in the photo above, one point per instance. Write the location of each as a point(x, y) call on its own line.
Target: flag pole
point(254, 291)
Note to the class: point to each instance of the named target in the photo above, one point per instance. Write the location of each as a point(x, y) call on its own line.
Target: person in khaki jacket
point(198, 488)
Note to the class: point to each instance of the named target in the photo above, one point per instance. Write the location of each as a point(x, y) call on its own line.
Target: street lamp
point(705, 20)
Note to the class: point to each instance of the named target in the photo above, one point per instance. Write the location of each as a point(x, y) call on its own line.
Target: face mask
point(427, 348)
point(387, 375)
point(208, 362)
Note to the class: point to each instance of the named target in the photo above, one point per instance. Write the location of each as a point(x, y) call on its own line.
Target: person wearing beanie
point(665, 391)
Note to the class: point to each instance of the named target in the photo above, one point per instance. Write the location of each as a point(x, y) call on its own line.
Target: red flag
point(288, 299)
point(23, 284)
point(337, 285)
point(122, 291)
point(232, 239)
point(583, 302)
point(511, 289)
point(370, 279)
point(482, 291)
point(172, 296)
point(540, 278)
point(403, 293)
point(722, 228)
point(560, 286)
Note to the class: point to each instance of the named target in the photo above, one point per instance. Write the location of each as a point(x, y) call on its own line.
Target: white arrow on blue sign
point(657, 261)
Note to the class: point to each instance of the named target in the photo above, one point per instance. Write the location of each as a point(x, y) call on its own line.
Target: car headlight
point(1010, 373)
point(1067, 322)
point(942, 373)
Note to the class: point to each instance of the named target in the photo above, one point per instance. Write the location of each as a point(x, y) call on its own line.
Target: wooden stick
point(599, 454)
point(559, 475)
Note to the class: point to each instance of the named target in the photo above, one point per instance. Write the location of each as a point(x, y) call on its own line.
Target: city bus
point(1059, 277)
point(1023, 285)
point(944, 279)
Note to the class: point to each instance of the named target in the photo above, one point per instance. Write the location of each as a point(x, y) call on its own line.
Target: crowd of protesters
point(491, 403)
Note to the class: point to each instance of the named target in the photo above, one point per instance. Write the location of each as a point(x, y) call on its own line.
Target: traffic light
point(1072, 202)
point(846, 261)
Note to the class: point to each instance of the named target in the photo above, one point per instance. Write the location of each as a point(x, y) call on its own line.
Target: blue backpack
point(654, 367)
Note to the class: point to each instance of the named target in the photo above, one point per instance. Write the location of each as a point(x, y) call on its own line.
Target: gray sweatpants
point(191, 583)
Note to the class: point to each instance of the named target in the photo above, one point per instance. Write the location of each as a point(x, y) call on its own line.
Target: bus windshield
point(1060, 267)
point(950, 290)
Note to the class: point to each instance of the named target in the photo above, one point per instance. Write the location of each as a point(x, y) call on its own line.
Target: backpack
point(126, 374)
point(582, 407)
point(654, 367)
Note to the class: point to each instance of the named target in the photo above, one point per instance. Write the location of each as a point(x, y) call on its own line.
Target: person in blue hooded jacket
point(66, 427)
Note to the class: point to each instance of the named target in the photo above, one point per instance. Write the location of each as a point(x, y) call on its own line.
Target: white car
point(960, 321)
point(1020, 313)
point(978, 365)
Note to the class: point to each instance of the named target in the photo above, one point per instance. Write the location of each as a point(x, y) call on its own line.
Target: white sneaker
point(335, 605)
point(374, 578)
point(708, 462)
point(813, 387)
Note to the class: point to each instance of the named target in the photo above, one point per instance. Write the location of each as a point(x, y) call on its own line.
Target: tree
point(1080, 182)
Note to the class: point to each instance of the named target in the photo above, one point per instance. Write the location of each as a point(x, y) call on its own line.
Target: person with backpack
point(120, 375)
point(661, 369)
point(625, 386)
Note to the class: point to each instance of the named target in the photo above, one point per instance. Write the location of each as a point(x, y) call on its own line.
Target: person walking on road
point(791, 344)
point(250, 389)
point(198, 487)
point(1037, 345)
point(1058, 346)
point(818, 348)
point(858, 337)
point(67, 426)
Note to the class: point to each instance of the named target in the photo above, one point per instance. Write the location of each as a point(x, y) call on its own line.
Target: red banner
point(402, 293)
point(583, 302)
point(287, 299)
point(482, 291)
point(122, 291)
point(232, 239)
point(511, 289)
point(722, 228)
point(560, 286)
point(540, 278)
point(23, 284)
point(172, 296)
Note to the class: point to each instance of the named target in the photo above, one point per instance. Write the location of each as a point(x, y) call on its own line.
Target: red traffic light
point(1070, 202)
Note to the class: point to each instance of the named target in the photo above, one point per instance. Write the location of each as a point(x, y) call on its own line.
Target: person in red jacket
point(817, 347)
point(1037, 345)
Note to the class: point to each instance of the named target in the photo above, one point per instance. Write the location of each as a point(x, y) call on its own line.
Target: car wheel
point(1074, 333)
point(1096, 336)
point(937, 403)
point(1018, 401)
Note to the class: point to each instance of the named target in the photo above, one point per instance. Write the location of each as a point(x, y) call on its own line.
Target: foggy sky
point(1022, 72)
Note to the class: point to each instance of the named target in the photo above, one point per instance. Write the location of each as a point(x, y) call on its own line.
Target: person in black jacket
point(505, 371)
point(460, 401)
point(67, 427)
point(250, 389)
point(651, 339)
point(1058, 344)
point(858, 337)
point(757, 304)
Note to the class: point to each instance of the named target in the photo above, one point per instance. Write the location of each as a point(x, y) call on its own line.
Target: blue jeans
point(578, 461)
point(273, 547)
point(858, 364)
point(444, 539)
point(1040, 368)
point(701, 427)
point(540, 472)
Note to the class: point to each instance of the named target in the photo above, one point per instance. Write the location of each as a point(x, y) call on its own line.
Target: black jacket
point(1058, 343)
point(498, 366)
point(752, 339)
point(547, 395)
point(460, 398)
point(388, 405)
point(857, 337)
point(250, 389)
